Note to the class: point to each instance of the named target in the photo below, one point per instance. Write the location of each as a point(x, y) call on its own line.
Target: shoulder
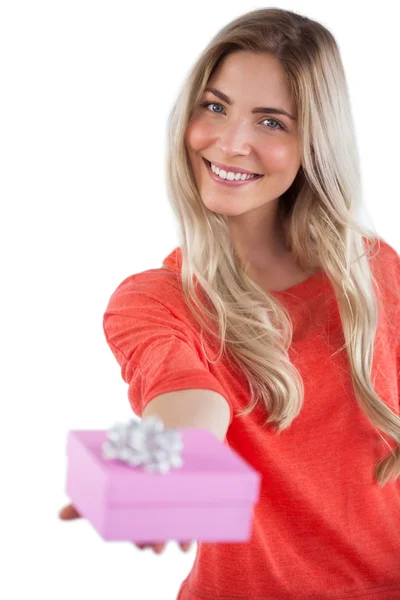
point(385, 260)
point(385, 269)
point(156, 281)
point(153, 289)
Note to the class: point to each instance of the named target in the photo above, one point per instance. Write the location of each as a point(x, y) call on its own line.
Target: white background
point(85, 91)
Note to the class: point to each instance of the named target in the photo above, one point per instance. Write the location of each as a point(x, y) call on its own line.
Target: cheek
point(277, 157)
point(198, 134)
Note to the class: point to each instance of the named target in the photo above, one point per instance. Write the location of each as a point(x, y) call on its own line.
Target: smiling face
point(229, 132)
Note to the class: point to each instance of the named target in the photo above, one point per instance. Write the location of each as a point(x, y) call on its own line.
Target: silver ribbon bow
point(144, 443)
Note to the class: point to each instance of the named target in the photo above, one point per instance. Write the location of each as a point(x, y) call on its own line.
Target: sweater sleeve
point(157, 351)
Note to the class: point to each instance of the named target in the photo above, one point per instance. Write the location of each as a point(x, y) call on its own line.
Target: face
point(230, 133)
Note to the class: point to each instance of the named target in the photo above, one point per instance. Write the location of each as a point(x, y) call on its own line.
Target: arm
point(203, 409)
point(161, 357)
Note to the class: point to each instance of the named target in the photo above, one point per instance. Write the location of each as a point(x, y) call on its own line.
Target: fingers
point(68, 512)
point(158, 548)
point(185, 546)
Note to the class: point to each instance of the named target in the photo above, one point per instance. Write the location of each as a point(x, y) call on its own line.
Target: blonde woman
point(275, 323)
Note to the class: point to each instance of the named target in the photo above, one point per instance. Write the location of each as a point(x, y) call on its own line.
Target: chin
point(226, 207)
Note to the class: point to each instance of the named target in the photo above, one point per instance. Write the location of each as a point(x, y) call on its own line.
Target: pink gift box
point(209, 498)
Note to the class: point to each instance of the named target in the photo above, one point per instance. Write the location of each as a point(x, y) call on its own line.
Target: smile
point(232, 182)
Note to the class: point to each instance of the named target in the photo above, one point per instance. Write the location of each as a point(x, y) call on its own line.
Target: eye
point(206, 104)
point(275, 121)
point(280, 125)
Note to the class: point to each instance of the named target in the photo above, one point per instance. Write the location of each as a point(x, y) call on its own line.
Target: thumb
point(68, 512)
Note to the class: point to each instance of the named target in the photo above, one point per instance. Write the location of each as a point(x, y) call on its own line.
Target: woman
point(275, 295)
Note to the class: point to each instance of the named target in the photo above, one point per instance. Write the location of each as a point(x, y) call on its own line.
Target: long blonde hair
point(318, 213)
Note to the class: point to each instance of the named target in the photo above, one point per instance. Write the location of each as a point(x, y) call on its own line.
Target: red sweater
point(323, 528)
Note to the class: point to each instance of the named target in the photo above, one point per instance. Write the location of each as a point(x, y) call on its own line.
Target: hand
point(158, 548)
point(69, 512)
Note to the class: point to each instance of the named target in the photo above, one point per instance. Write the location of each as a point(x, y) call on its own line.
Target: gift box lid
point(211, 472)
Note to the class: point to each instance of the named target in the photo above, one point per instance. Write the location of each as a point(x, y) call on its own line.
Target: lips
point(257, 175)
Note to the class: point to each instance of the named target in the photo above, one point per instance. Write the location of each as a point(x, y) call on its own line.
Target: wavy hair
point(318, 214)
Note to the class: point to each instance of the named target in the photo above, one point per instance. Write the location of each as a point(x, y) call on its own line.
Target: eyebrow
point(258, 109)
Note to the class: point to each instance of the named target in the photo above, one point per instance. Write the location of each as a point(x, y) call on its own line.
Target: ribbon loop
point(144, 443)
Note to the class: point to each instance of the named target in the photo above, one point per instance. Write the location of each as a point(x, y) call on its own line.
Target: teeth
point(224, 175)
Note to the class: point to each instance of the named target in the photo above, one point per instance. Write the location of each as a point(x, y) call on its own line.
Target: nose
point(234, 138)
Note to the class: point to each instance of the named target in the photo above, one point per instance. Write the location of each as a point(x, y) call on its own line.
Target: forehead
point(253, 79)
